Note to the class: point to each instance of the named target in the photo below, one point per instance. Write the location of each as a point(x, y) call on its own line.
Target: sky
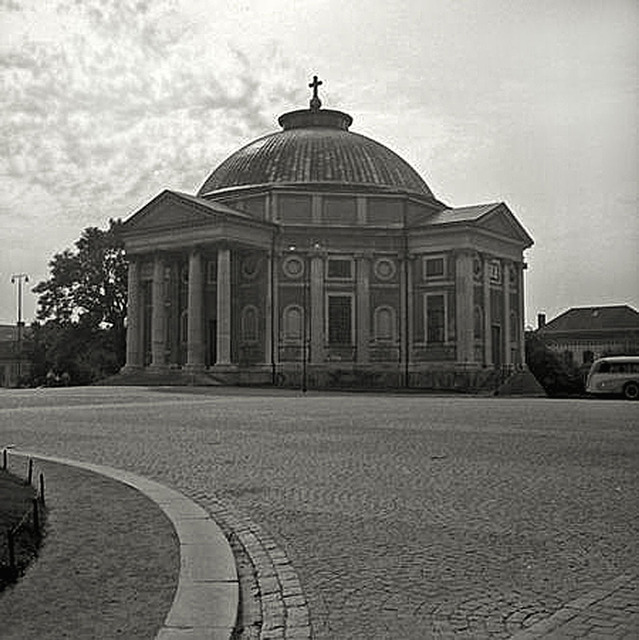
point(105, 103)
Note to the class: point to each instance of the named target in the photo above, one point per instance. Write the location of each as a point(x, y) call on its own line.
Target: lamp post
point(19, 279)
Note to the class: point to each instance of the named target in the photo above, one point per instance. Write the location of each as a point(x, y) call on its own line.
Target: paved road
point(401, 516)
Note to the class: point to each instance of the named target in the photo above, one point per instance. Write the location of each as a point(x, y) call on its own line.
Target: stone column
point(488, 321)
point(223, 306)
point(317, 308)
point(133, 315)
point(195, 332)
point(507, 339)
point(464, 307)
point(158, 316)
point(363, 308)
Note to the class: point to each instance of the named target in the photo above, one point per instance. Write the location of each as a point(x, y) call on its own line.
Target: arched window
point(384, 324)
point(248, 323)
point(293, 322)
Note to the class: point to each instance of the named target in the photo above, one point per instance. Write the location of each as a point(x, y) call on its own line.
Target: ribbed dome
point(316, 148)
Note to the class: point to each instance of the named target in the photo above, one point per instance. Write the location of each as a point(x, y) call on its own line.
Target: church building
point(317, 257)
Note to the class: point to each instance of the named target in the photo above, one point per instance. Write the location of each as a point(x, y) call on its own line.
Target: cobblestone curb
point(605, 612)
point(283, 608)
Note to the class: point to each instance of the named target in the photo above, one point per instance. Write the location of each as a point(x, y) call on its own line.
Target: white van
point(615, 375)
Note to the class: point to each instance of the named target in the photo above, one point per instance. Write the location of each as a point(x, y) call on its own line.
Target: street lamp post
point(19, 279)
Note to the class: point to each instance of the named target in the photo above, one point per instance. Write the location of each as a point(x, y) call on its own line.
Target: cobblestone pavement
point(365, 516)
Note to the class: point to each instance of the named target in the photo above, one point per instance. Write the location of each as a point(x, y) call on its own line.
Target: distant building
point(12, 366)
point(583, 334)
point(315, 254)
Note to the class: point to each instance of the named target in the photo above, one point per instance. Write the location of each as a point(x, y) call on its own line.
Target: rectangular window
point(435, 319)
point(434, 267)
point(495, 272)
point(340, 320)
point(340, 269)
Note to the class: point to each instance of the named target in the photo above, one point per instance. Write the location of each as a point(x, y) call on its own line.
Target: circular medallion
point(384, 268)
point(293, 267)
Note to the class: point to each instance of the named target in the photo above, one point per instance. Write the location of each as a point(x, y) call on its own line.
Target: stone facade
point(320, 282)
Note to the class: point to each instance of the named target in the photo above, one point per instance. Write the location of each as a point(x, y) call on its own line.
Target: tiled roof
point(594, 318)
point(313, 156)
point(462, 214)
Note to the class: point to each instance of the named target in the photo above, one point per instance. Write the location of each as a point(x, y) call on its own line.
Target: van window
point(604, 367)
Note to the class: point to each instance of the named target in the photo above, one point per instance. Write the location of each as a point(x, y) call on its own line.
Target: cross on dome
point(316, 103)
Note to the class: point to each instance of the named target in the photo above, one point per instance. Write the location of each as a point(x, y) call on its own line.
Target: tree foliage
point(555, 376)
point(80, 330)
point(87, 284)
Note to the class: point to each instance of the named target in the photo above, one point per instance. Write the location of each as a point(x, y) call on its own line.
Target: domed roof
point(315, 148)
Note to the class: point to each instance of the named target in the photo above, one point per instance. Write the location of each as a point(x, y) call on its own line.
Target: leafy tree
point(80, 332)
point(555, 376)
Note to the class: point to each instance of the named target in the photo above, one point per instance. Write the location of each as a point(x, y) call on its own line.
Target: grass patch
point(16, 500)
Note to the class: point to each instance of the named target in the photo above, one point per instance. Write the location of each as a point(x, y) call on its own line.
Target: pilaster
point(506, 321)
point(488, 321)
point(363, 307)
point(522, 312)
point(464, 306)
point(317, 308)
point(268, 309)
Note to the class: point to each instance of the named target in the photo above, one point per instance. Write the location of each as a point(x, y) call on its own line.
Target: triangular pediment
point(501, 221)
point(495, 218)
point(175, 210)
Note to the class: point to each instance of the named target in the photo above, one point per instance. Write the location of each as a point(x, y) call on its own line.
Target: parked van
point(615, 375)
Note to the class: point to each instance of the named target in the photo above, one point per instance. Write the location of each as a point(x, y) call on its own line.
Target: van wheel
point(631, 391)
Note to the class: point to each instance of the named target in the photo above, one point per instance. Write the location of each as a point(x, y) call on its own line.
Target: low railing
point(20, 536)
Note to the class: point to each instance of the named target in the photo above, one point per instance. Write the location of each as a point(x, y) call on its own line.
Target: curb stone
point(206, 601)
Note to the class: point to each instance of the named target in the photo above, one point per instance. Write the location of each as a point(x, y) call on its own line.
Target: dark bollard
point(36, 517)
point(42, 488)
point(30, 473)
point(4, 459)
